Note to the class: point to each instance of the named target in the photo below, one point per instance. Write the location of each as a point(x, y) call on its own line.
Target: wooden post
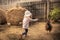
point(44, 11)
point(47, 8)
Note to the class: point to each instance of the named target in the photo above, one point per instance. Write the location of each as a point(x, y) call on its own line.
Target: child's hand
point(37, 19)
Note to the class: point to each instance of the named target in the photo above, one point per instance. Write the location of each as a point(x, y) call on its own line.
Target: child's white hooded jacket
point(27, 18)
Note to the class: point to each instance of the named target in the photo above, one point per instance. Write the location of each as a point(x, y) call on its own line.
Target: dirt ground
point(36, 32)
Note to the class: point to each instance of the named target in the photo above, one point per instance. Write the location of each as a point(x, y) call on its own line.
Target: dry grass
point(15, 15)
point(2, 17)
point(36, 32)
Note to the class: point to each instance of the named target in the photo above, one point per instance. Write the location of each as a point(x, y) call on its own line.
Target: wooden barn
point(39, 8)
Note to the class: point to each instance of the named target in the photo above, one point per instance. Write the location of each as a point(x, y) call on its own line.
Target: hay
point(12, 37)
point(15, 15)
point(2, 17)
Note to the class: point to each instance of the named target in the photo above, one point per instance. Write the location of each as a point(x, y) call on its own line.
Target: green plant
point(54, 14)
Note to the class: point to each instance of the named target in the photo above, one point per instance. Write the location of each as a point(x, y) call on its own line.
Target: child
point(27, 18)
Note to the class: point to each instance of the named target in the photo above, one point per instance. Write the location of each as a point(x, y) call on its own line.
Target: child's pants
point(25, 32)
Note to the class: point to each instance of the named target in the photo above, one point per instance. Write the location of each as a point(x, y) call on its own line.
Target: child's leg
point(25, 32)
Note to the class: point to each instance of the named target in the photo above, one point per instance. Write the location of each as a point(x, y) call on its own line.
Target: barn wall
point(37, 7)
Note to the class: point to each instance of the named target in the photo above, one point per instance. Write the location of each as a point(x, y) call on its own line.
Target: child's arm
point(33, 19)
